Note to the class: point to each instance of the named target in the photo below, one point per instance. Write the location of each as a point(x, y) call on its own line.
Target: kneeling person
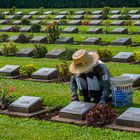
point(90, 76)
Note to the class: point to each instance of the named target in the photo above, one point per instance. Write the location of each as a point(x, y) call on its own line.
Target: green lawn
point(59, 95)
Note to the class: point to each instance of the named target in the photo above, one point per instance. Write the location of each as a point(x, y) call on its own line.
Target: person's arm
point(74, 89)
point(104, 78)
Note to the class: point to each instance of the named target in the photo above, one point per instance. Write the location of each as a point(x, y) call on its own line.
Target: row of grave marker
point(72, 22)
point(70, 40)
point(70, 30)
point(77, 12)
point(125, 57)
point(75, 17)
point(74, 112)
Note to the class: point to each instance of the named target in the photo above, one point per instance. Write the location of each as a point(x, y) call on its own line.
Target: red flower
point(11, 89)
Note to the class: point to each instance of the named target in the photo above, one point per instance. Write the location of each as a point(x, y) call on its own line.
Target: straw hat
point(83, 61)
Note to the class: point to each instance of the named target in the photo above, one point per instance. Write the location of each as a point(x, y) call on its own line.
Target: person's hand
point(75, 97)
point(102, 102)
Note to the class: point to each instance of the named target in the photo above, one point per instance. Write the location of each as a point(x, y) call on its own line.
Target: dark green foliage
point(23, 38)
point(40, 50)
point(25, 21)
point(67, 55)
point(3, 37)
point(35, 28)
point(68, 3)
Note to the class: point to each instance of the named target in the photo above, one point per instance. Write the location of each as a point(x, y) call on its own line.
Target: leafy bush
point(100, 115)
point(27, 70)
point(40, 50)
point(71, 12)
point(5, 94)
point(25, 21)
point(137, 56)
point(125, 17)
point(106, 10)
point(12, 10)
point(53, 32)
point(3, 37)
point(2, 16)
point(124, 14)
point(15, 28)
point(67, 55)
point(63, 71)
point(85, 22)
point(128, 23)
point(63, 22)
point(105, 54)
point(9, 49)
point(23, 38)
point(106, 23)
point(35, 27)
point(41, 10)
point(17, 17)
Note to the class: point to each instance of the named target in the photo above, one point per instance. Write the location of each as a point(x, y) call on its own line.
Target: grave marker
point(135, 17)
point(27, 52)
point(115, 12)
point(97, 12)
point(76, 110)
point(48, 12)
point(130, 118)
point(97, 17)
point(10, 70)
point(33, 13)
point(91, 41)
point(25, 29)
point(26, 104)
point(123, 57)
point(41, 16)
point(3, 21)
point(60, 17)
point(39, 39)
point(10, 17)
point(19, 13)
point(54, 53)
point(6, 29)
point(95, 22)
point(122, 41)
point(80, 12)
point(64, 40)
point(117, 23)
point(70, 30)
point(35, 22)
point(115, 17)
point(17, 22)
point(74, 22)
point(120, 31)
point(27, 17)
point(78, 17)
point(45, 74)
point(63, 13)
point(94, 31)
point(133, 12)
point(12, 38)
point(137, 23)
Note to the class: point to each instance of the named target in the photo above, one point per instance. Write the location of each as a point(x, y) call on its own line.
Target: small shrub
point(12, 10)
point(9, 49)
point(27, 70)
point(25, 21)
point(40, 50)
point(3, 37)
point(100, 115)
point(53, 32)
point(5, 94)
point(23, 38)
point(2, 16)
point(15, 28)
point(104, 54)
point(41, 10)
point(35, 28)
point(128, 23)
point(137, 56)
point(63, 71)
point(17, 17)
point(125, 17)
point(124, 14)
point(106, 10)
point(106, 23)
point(67, 55)
point(71, 12)
point(85, 23)
point(63, 22)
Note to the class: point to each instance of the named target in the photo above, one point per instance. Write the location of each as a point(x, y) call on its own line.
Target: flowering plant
point(5, 97)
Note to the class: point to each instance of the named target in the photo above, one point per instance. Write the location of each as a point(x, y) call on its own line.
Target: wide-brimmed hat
point(83, 61)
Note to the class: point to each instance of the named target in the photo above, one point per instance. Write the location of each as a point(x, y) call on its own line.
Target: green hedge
point(68, 3)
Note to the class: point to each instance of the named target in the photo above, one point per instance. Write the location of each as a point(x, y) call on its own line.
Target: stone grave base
point(42, 80)
point(69, 121)
point(23, 115)
point(122, 128)
point(15, 77)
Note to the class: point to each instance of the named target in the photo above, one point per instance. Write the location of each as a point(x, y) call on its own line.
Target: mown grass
point(25, 129)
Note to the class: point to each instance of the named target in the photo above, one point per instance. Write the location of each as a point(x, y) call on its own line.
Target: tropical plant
point(137, 56)
point(106, 23)
point(35, 28)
